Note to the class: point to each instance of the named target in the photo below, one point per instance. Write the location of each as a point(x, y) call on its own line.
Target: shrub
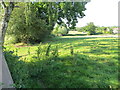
point(99, 30)
point(10, 39)
point(26, 26)
point(17, 69)
point(21, 71)
point(60, 30)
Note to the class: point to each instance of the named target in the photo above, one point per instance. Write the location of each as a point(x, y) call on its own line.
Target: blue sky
point(101, 12)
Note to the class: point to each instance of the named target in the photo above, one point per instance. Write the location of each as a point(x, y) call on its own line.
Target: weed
point(48, 50)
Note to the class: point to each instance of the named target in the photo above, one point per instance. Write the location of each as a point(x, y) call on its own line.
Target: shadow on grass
point(66, 40)
point(93, 42)
point(75, 35)
point(71, 71)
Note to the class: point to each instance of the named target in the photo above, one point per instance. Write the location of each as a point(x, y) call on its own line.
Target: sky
point(101, 13)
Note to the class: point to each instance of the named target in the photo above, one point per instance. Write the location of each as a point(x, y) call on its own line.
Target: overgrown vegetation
point(77, 63)
point(34, 21)
point(25, 26)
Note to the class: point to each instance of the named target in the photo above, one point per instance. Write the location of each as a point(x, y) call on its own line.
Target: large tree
point(25, 25)
point(51, 12)
point(58, 12)
point(48, 12)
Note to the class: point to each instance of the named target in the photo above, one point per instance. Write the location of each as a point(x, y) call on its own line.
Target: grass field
point(66, 63)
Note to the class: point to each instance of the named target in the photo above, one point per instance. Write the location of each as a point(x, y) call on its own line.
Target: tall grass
point(87, 63)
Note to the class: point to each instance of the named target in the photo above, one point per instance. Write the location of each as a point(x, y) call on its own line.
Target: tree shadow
point(77, 71)
point(71, 71)
point(65, 40)
point(75, 35)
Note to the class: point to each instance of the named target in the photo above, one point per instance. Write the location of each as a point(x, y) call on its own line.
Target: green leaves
point(33, 22)
point(26, 26)
point(90, 28)
point(57, 11)
point(60, 30)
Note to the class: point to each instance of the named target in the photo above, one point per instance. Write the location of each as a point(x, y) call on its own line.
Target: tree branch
point(11, 5)
point(3, 4)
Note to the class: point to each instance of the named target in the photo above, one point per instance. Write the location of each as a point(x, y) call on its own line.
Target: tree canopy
point(35, 21)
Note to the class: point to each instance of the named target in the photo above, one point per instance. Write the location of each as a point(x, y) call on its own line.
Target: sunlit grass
point(94, 63)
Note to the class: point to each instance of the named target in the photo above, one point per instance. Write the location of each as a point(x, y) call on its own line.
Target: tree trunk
point(6, 17)
point(5, 75)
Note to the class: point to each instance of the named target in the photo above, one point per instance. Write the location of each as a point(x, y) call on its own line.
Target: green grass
point(94, 63)
point(75, 33)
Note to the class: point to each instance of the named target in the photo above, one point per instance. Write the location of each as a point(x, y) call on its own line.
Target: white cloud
point(101, 12)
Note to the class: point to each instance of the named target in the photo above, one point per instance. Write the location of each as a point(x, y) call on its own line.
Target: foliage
point(104, 30)
point(60, 30)
point(57, 12)
point(10, 39)
point(82, 29)
point(25, 26)
point(110, 30)
point(79, 29)
point(87, 63)
point(32, 22)
point(100, 30)
point(96, 29)
point(90, 28)
point(20, 71)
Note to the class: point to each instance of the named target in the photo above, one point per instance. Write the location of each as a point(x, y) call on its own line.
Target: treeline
point(33, 22)
point(92, 29)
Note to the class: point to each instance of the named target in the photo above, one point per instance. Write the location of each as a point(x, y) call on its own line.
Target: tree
point(51, 12)
point(25, 25)
point(8, 8)
point(32, 16)
point(57, 12)
point(90, 28)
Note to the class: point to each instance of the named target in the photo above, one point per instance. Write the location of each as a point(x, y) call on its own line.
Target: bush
point(60, 30)
point(26, 26)
point(99, 30)
point(17, 69)
point(79, 29)
point(20, 71)
point(10, 39)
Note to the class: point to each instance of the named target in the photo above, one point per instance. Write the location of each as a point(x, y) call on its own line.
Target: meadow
point(65, 62)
